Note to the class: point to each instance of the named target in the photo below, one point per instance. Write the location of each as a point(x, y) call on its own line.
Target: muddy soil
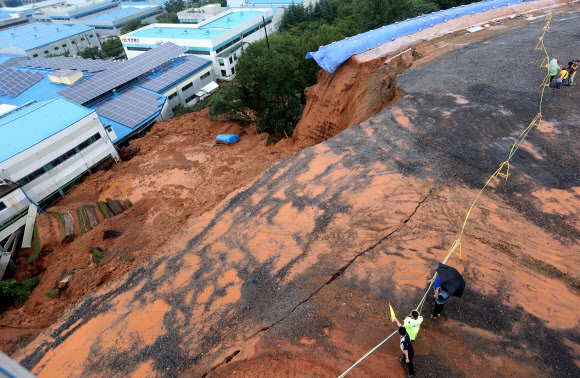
point(294, 273)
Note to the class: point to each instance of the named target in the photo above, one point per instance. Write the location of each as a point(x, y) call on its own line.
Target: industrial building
point(107, 16)
point(127, 96)
point(278, 7)
point(46, 146)
point(197, 15)
point(220, 38)
point(37, 40)
point(10, 19)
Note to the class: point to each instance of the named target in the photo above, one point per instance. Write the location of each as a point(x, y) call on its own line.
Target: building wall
point(38, 156)
point(177, 95)
point(81, 40)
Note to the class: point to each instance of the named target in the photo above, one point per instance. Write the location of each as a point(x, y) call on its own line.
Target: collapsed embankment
point(294, 272)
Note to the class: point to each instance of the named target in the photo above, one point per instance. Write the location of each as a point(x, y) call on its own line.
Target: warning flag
point(392, 313)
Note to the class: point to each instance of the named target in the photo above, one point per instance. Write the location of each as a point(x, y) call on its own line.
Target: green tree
point(89, 53)
point(131, 25)
point(168, 18)
point(113, 47)
point(174, 6)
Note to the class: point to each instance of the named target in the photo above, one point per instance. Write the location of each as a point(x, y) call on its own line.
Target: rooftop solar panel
point(61, 62)
point(175, 73)
point(121, 73)
point(14, 82)
point(132, 107)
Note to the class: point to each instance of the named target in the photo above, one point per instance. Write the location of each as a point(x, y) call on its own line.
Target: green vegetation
point(86, 218)
point(270, 81)
point(268, 140)
point(52, 293)
point(97, 255)
point(134, 24)
point(81, 220)
point(128, 203)
point(105, 209)
point(113, 48)
point(168, 18)
point(182, 109)
point(66, 54)
point(114, 206)
point(173, 6)
point(36, 244)
point(62, 223)
point(13, 292)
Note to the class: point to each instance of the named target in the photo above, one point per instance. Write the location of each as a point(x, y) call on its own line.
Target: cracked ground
point(293, 275)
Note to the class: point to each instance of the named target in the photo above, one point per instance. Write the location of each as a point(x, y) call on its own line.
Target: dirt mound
point(171, 174)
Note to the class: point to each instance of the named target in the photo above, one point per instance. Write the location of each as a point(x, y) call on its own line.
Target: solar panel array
point(14, 82)
point(131, 108)
point(121, 73)
point(68, 63)
point(174, 73)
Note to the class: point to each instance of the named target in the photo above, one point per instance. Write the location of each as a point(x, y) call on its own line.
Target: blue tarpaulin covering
point(331, 56)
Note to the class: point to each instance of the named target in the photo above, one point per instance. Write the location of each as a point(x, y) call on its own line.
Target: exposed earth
point(293, 273)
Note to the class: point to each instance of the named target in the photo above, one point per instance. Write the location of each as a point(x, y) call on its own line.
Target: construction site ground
point(231, 266)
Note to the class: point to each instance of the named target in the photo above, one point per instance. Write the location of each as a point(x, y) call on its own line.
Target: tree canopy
point(174, 6)
point(168, 18)
point(270, 83)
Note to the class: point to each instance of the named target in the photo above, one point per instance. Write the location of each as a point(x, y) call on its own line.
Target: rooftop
point(208, 31)
point(275, 2)
point(34, 35)
point(121, 13)
point(26, 126)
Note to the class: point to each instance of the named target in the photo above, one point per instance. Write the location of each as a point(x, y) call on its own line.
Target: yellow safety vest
point(412, 326)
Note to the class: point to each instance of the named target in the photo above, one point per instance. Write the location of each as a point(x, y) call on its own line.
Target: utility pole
point(266, 31)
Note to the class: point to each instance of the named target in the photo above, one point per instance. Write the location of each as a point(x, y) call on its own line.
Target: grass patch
point(81, 220)
point(61, 220)
point(52, 293)
point(13, 292)
point(36, 244)
point(105, 209)
point(86, 218)
point(98, 256)
point(268, 140)
point(114, 206)
point(128, 203)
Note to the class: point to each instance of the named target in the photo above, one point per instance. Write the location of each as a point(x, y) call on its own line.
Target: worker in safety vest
point(412, 324)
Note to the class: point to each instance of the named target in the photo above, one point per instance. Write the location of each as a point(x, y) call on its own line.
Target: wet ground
point(293, 275)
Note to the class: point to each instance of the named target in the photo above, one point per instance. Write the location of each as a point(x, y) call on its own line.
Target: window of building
point(221, 61)
point(204, 75)
point(35, 55)
point(186, 87)
point(198, 52)
point(46, 51)
point(231, 60)
point(223, 72)
point(64, 45)
point(73, 42)
point(235, 56)
point(91, 36)
point(56, 48)
point(233, 70)
point(189, 99)
point(2, 206)
point(138, 48)
point(172, 96)
point(82, 39)
point(174, 109)
point(59, 160)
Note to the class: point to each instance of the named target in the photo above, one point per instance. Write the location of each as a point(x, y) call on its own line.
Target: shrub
point(105, 209)
point(13, 292)
point(52, 293)
point(97, 255)
point(128, 203)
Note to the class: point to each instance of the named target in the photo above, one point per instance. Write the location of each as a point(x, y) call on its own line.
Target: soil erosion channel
point(294, 272)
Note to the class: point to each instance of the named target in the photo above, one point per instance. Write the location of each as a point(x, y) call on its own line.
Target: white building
point(47, 145)
point(38, 40)
point(197, 15)
point(219, 39)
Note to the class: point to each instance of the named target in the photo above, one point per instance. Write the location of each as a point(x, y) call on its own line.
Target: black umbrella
point(451, 279)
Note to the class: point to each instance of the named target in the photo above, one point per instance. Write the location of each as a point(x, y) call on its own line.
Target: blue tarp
point(331, 56)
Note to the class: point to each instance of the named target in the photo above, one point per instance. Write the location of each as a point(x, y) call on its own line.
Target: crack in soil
point(334, 277)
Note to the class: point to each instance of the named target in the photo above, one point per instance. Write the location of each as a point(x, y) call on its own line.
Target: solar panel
point(173, 74)
point(121, 73)
point(68, 63)
point(14, 82)
point(132, 107)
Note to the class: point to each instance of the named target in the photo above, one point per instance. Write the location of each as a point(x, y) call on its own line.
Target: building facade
point(38, 40)
point(50, 144)
point(219, 39)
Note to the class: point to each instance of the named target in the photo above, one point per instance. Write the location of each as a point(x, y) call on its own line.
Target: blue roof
point(4, 58)
point(140, 3)
point(27, 126)
point(24, 36)
point(117, 14)
point(4, 14)
point(206, 32)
